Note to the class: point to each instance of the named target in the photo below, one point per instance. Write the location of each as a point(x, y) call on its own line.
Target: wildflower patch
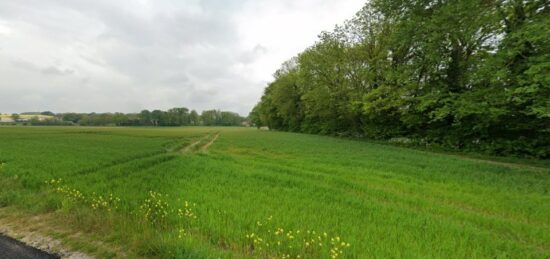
point(267, 239)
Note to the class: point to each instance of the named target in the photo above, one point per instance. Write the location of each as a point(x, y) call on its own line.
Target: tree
point(157, 118)
point(210, 117)
point(178, 116)
point(72, 117)
point(194, 118)
point(47, 113)
point(254, 117)
point(145, 117)
point(467, 75)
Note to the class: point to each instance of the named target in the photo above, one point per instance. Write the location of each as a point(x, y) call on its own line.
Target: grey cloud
point(51, 70)
point(125, 55)
point(24, 65)
point(253, 54)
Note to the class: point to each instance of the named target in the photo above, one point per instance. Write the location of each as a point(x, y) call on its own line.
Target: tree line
point(172, 117)
point(466, 75)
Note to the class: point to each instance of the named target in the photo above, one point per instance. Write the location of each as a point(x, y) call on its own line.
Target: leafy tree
point(145, 117)
point(467, 75)
point(194, 118)
point(157, 117)
point(48, 113)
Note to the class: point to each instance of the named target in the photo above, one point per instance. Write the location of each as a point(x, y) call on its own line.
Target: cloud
point(129, 55)
point(51, 70)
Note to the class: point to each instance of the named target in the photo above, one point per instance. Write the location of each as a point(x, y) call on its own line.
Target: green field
point(237, 192)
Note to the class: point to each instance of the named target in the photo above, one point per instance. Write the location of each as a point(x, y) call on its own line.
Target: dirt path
point(193, 144)
point(205, 147)
point(189, 148)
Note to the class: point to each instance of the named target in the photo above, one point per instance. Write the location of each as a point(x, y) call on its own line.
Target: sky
point(130, 55)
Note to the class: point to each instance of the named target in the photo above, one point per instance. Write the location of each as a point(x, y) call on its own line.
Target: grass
point(182, 192)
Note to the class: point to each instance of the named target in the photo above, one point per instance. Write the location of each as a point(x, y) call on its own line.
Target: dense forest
point(172, 117)
point(466, 75)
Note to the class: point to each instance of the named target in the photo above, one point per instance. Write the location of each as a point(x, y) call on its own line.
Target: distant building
point(6, 119)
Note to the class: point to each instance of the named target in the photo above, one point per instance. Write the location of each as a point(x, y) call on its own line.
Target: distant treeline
point(171, 117)
point(468, 74)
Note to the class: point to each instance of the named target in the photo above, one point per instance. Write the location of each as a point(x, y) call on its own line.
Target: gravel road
point(13, 249)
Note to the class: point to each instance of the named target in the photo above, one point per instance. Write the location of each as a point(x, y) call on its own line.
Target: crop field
point(202, 192)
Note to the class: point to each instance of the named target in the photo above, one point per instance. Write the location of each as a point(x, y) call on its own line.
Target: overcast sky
point(107, 55)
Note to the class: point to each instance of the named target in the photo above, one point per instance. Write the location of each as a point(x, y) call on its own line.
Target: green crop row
point(261, 194)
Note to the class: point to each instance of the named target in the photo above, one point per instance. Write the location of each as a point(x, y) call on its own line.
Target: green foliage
point(220, 118)
point(172, 117)
point(466, 75)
